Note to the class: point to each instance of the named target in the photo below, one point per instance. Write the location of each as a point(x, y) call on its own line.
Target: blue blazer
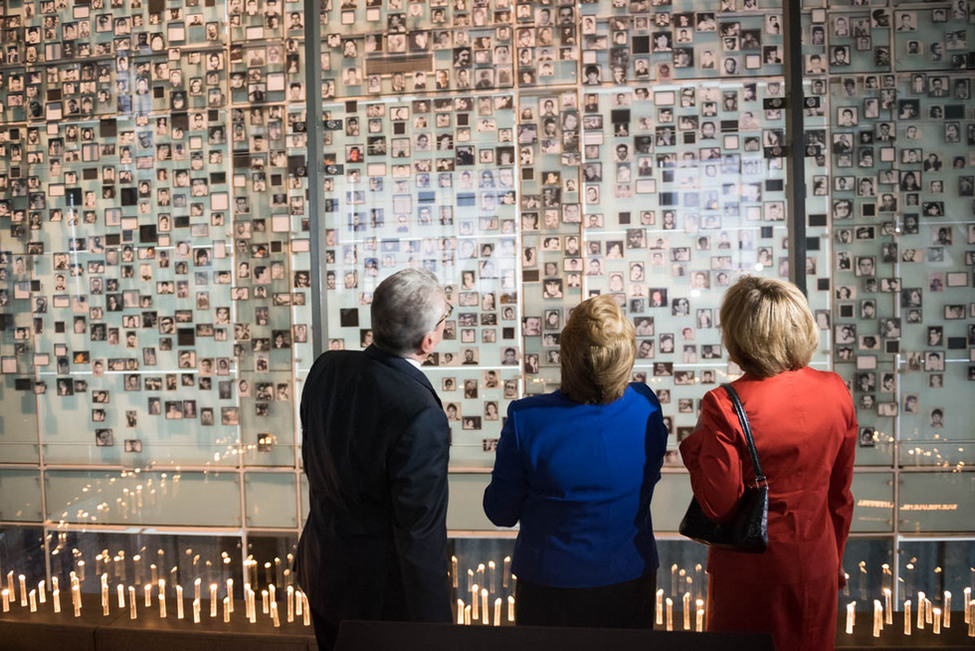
point(375, 446)
point(579, 478)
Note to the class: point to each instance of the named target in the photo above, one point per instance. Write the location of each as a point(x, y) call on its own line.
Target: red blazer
point(805, 432)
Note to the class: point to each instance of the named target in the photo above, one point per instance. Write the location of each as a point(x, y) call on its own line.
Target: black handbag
point(748, 531)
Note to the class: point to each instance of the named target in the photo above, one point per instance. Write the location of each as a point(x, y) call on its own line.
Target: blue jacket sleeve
point(505, 495)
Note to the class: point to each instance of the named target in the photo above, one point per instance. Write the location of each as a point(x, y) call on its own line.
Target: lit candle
point(274, 614)
point(299, 603)
point(928, 611)
point(56, 599)
point(213, 600)
point(120, 591)
point(226, 610)
point(493, 578)
point(265, 603)
point(686, 608)
point(907, 617)
point(42, 591)
point(460, 611)
point(230, 593)
point(196, 588)
point(272, 593)
point(480, 574)
point(133, 606)
point(699, 619)
point(497, 611)
point(467, 615)
point(850, 617)
point(105, 610)
point(6, 599)
point(196, 611)
point(967, 594)
point(23, 590)
point(453, 571)
point(76, 597)
point(179, 601)
point(670, 613)
point(475, 602)
point(878, 617)
point(485, 613)
point(291, 604)
point(470, 579)
point(920, 611)
point(506, 569)
point(511, 608)
point(937, 621)
point(11, 592)
point(147, 594)
point(673, 579)
point(162, 598)
point(660, 607)
point(306, 616)
point(251, 606)
point(947, 610)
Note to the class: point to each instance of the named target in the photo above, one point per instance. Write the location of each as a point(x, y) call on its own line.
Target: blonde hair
point(766, 326)
point(598, 347)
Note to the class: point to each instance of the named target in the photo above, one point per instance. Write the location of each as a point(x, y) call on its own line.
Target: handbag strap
point(747, 430)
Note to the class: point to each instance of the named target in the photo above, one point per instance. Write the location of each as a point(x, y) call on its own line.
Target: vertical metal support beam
point(315, 167)
point(795, 187)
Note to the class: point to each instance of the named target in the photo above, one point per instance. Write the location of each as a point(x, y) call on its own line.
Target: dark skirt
point(621, 605)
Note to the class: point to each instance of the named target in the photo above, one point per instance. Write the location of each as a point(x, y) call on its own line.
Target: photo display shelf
point(155, 258)
point(890, 167)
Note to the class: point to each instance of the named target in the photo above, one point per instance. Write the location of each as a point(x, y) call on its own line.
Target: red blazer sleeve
point(840, 497)
point(711, 456)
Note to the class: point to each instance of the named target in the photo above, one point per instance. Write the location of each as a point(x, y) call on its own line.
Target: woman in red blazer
point(805, 431)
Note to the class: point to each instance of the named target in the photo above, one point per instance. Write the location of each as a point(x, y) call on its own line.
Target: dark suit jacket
point(375, 451)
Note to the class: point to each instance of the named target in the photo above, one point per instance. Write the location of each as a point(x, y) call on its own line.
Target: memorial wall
point(157, 256)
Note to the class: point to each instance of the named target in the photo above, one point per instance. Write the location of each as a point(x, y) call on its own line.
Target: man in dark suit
point(375, 451)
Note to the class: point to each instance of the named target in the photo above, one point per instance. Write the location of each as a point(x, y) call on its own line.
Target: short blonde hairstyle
point(766, 326)
point(598, 347)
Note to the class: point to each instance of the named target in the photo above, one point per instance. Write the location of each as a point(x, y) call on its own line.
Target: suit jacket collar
point(402, 366)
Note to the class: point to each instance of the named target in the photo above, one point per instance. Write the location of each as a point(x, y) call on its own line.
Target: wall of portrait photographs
point(155, 259)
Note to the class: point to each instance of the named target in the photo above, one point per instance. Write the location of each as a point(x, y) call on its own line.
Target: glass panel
point(205, 499)
point(873, 496)
point(464, 510)
point(20, 495)
point(942, 501)
point(22, 552)
point(936, 566)
point(869, 563)
point(270, 499)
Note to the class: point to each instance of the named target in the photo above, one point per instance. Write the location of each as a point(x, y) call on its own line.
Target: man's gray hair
point(406, 306)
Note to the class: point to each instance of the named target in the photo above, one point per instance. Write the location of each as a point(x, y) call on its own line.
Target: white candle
point(230, 593)
point(928, 611)
point(485, 613)
point(76, 597)
point(162, 598)
point(497, 611)
point(460, 611)
point(196, 611)
point(274, 614)
point(686, 608)
point(967, 594)
point(120, 591)
point(699, 620)
point(659, 608)
point(467, 615)
point(213, 600)
point(888, 611)
point(506, 569)
point(196, 588)
point(6, 599)
point(670, 613)
point(475, 602)
point(453, 571)
point(226, 610)
point(299, 603)
point(56, 598)
point(42, 591)
point(306, 616)
point(179, 601)
point(265, 603)
point(907, 617)
point(493, 576)
point(33, 600)
point(947, 610)
point(470, 579)
point(480, 574)
point(511, 608)
point(23, 590)
point(147, 595)
point(878, 617)
point(673, 579)
point(272, 593)
point(133, 606)
point(937, 621)
point(850, 617)
point(291, 604)
point(105, 608)
point(11, 591)
point(920, 611)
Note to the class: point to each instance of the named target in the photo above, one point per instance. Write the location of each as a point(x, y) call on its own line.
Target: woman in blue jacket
point(577, 468)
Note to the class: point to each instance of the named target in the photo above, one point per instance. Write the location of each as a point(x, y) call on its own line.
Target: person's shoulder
point(539, 401)
point(642, 390)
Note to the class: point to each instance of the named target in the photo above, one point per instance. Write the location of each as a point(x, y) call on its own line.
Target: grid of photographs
point(155, 264)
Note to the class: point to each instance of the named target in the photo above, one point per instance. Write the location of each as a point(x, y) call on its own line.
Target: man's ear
point(428, 343)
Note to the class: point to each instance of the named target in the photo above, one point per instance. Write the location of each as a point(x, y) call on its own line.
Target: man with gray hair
point(375, 447)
